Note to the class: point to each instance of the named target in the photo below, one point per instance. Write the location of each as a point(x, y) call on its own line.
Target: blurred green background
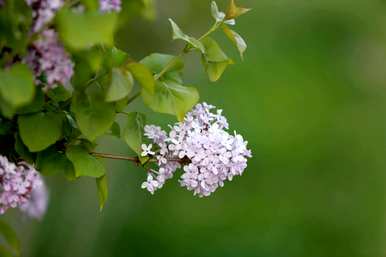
point(310, 99)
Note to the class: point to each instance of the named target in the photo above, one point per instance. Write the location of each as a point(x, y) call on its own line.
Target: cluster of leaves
point(57, 129)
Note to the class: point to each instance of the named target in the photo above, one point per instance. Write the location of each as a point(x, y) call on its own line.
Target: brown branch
point(116, 157)
point(136, 160)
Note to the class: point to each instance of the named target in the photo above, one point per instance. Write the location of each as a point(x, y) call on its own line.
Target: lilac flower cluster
point(110, 5)
point(208, 154)
point(43, 11)
point(37, 205)
point(48, 57)
point(167, 167)
point(18, 185)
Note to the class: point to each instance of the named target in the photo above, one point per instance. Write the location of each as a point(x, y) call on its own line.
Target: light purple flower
point(110, 5)
point(43, 11)
point(146, 150)
point(48, 57)
point(150, 184)
point(36, 207)
point(17, 182)
point(208, 154)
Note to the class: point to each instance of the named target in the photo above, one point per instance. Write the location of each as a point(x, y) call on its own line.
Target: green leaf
point(59, 94)
point(10, 237)
point(169, 95)
point(88, 145)
point(36, 105)
point(235, 11)
point(15, 27)
point(6, 109)
point(88, 63)
point(94, 116)
point(115, 57)
point(22, 150)
point(178, 34)
point(172, 98)
point(120, 105)
point(5, 127)
point(215, 60)
point(121, 84)
point(156, 62)
point(50, 162)
point(133, 131)
point(103, 191)
point(116, 129)
point(215, 70)
point(70, 174)
point(236, 39)
point(143, 75)
point(70, 128)
point(84, 163)
point(16, 85)
point(40, 130)
point(213, 51)
point(82, 30)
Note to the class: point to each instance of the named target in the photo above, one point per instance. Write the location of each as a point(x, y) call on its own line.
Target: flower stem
point(211, 30)
point(133, 159)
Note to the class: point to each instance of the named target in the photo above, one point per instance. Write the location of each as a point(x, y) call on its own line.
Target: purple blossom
point(48, 57)
point(156, 179)
point(43, 11)
point(17, 184)
point(150, 184)
point(208, 154)
point(110, 5)
point(36, 207)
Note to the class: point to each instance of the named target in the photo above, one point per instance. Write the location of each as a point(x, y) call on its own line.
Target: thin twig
point(116, 157)
point(133, 159)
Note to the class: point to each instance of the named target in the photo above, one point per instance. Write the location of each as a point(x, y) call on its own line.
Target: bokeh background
point(309, 97)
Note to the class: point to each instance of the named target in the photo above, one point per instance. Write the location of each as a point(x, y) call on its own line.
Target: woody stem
point(116, 157)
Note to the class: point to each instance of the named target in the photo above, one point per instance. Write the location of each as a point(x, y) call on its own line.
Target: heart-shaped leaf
point(133, 131)
point(16, 85)
point(50, 162)
point(84, 163)
point(215, 60)
point(84, 29)
point(178, 34)
point(156, 62)
point(172, 98)
point(143, 75)
point(39, 131)
point(121, 84)
point(94, 116)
